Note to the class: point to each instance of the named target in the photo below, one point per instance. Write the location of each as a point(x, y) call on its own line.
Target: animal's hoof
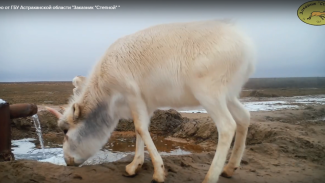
point(125, 174)
point(153, 181)
point(225, 174)
point(228, 172)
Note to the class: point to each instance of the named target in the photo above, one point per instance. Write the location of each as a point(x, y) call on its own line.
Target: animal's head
point(84, 133)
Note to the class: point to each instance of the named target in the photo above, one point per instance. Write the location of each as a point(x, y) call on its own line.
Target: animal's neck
point(92, 95)
point(99, 120)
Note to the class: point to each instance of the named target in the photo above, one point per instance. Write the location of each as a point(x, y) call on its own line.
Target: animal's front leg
point(141, 122)
point(135, 165)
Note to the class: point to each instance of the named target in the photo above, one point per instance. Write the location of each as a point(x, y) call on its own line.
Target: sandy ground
point(186, 168)
point(276, 152)
point(283, 146)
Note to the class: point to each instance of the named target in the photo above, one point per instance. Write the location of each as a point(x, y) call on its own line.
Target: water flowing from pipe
point(38, 131)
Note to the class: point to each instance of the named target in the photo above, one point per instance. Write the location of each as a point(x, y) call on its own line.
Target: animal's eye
point(65, 131)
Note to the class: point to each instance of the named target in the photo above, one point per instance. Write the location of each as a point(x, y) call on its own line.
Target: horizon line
point(71, 80)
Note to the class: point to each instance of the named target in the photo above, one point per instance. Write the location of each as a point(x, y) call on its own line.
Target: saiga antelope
point(170, 65)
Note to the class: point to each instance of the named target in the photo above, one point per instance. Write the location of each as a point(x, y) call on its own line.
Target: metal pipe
point(8, 112)
point(22, 110)
point(5, 133)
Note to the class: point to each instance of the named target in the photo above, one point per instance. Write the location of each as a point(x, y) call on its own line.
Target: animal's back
point(166, 61)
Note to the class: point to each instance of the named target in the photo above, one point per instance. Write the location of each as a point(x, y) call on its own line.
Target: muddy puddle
point(116, 148)
point(127, 144)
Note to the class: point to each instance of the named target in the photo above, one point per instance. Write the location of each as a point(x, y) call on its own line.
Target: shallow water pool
point(115, 149)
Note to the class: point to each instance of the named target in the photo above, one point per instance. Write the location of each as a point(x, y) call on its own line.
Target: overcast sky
point(56, 45)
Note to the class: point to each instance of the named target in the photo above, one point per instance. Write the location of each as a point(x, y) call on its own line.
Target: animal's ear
point(74, 81)
point(78, 81)
point(76, 111)
point(55, 112)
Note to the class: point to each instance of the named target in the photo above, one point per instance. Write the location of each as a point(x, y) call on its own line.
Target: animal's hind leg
point(242, 118)
point(135, 165)
point(215, 104)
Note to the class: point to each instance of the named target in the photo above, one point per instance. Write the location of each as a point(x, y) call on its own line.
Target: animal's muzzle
point(70, 161)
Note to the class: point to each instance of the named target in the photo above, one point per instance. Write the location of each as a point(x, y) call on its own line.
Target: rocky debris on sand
point(199, 130)
point(162, 122)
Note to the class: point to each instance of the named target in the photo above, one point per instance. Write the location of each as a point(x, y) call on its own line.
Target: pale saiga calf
point(170, 65)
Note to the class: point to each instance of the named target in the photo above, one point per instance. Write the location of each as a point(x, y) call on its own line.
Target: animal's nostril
point(65, 131)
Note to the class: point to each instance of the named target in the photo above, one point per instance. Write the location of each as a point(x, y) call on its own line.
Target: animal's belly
point(175, 97)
